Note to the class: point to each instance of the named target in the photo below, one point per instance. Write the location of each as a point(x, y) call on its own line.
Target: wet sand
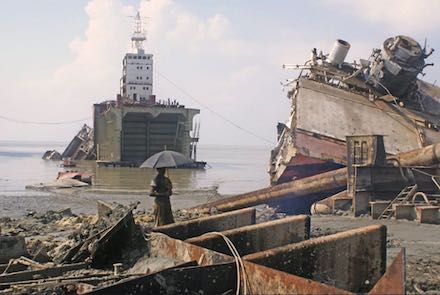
point(83, 200)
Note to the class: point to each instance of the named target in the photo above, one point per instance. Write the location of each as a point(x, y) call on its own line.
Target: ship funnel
point(339, 52)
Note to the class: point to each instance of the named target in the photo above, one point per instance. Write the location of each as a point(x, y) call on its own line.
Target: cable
point(238, 260)
point(211, 110)
point(43, 123)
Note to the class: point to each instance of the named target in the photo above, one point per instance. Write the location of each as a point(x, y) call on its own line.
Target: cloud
point(69, 91)
point(193, 34)
point(402, 15)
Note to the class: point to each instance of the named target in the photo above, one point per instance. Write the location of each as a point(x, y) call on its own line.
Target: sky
point(59, 57)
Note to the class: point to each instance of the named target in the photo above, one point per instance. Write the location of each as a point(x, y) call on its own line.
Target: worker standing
point(162, 189)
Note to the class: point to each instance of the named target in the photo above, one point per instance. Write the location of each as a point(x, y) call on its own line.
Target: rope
point(241, 272)
point(238, 261)
point(43, 123)
point(213, 111)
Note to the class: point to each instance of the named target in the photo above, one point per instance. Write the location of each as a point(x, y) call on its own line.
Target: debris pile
point(62, 247)
point(118, 251)
point(67, 254)
point(80, 147)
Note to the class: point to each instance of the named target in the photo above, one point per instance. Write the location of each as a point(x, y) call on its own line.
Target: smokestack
point(339, 52)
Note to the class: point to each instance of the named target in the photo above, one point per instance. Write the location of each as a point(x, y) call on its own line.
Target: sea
point(231, 170)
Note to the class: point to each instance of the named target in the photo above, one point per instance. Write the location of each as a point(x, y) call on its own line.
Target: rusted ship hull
point(313, 141)
point(302, 166)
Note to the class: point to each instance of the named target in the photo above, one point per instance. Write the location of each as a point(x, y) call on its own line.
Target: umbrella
point(166, 159)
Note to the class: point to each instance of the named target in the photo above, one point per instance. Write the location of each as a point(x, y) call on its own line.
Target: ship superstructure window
point(137, 70)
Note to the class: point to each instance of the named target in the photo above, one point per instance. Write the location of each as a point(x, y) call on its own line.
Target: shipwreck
point(332, 99)
point(135, 125)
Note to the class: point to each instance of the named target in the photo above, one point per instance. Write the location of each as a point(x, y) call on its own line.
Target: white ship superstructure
point(137, 71)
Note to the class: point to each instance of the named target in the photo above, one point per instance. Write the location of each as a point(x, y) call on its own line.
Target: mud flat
point(83, 200)
point(422, 243)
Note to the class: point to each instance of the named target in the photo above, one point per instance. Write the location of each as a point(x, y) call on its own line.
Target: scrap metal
point(332, 99)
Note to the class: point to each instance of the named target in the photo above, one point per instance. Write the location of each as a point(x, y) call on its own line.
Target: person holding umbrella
point(162, 189)
point(161, 186)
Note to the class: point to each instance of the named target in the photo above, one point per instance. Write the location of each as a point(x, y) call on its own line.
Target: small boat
point(81, 176)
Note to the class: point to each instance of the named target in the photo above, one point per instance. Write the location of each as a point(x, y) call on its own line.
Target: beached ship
point(332, 99)
point(136, 125)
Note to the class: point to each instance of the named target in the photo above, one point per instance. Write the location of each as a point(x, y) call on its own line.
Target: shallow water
point(232, 170)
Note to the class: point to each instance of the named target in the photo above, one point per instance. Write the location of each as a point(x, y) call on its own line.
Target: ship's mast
point(139, 34)
point(137, 71)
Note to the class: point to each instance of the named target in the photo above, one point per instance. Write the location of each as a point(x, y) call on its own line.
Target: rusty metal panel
point(181, 279)
point(353, 260)
point(262, 280)
point(393, 281)
point(163, 246)
point(258, 237)
point(220, 222)
point(318, 146)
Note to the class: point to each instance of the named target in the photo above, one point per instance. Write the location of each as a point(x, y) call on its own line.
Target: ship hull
point(304, 166)
point(313, 140)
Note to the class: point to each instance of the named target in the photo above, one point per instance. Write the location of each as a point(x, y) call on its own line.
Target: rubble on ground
point(73, 254)
point(88, 244)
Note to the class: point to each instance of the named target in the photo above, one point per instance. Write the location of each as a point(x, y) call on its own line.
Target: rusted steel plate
point(258, 237)
point(262, 280)
point(220, 222)
point(393, 281)
point(321, 147)
point(353, 260)
point(265, 280)
point(163, 246)
point(110, 246)
point(162, 282)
